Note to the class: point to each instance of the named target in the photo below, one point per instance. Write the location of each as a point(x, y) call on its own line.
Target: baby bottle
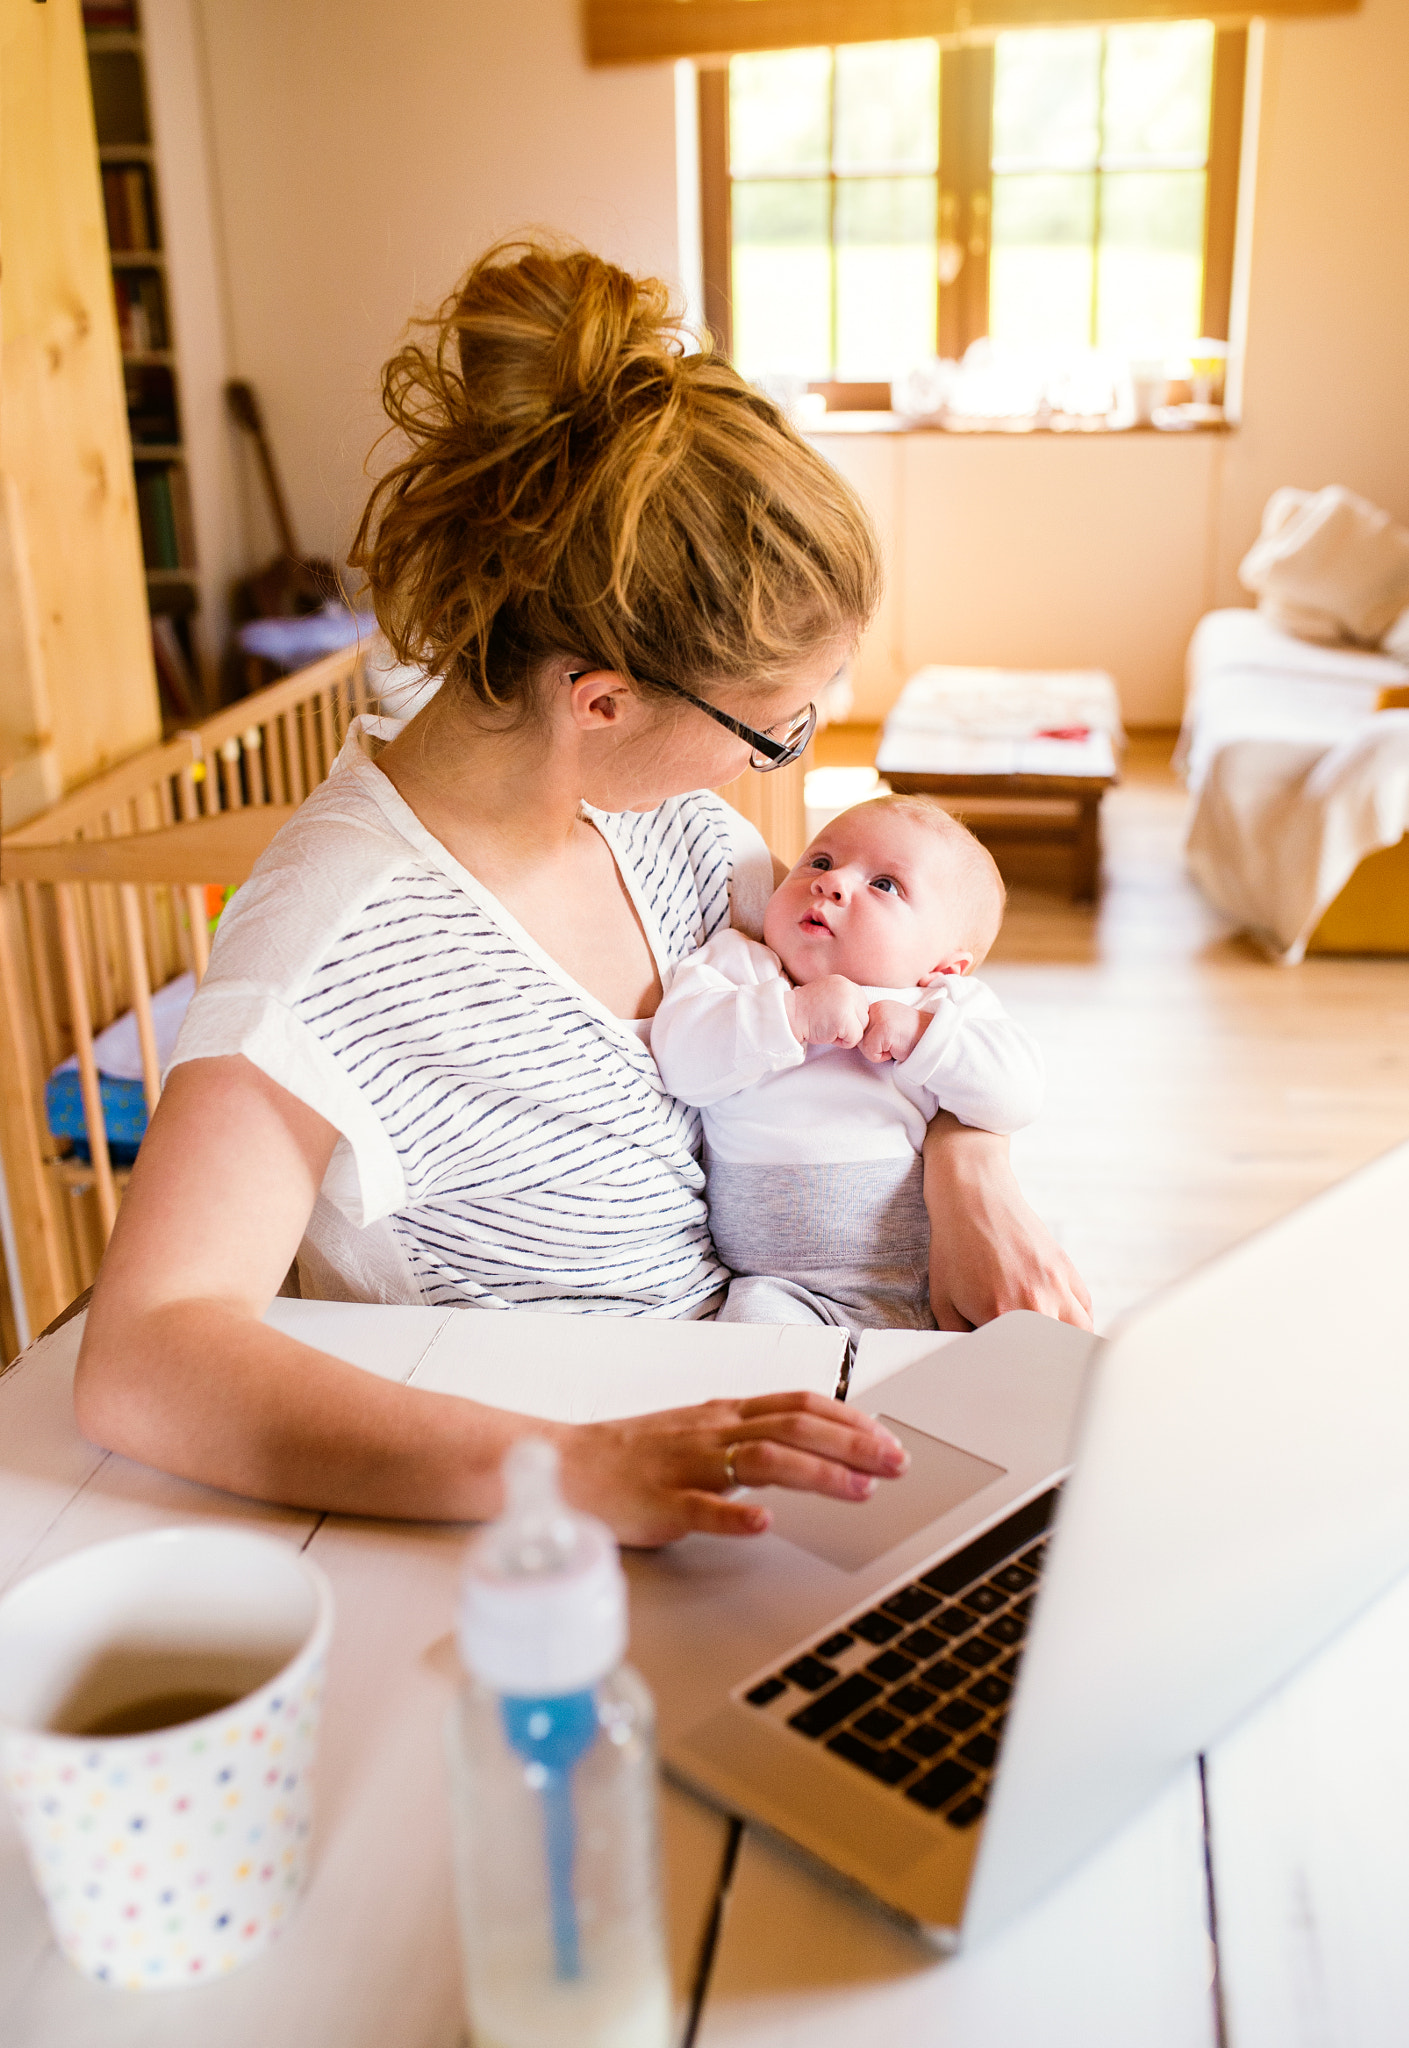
point(552, 1763)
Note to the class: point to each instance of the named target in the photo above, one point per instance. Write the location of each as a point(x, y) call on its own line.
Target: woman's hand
point(989, 1251)
point(653, 1478)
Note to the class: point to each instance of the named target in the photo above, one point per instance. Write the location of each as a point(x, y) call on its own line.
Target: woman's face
point(668, 746)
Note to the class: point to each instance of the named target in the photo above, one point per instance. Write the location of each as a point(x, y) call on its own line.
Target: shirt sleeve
point(723, 1022)
point(364, 1179)
point(974, 1060)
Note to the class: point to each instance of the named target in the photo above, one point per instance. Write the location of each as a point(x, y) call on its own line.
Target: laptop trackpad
point(851, 1534)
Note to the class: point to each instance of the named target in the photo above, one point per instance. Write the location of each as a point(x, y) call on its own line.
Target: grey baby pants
point(846, 1245)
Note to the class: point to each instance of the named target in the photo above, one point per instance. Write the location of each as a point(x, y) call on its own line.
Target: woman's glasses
point(769, 752)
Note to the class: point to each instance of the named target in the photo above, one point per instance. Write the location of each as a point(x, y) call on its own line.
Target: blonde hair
point(577, 483)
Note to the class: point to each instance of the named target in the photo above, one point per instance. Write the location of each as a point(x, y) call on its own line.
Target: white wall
point(365, 151)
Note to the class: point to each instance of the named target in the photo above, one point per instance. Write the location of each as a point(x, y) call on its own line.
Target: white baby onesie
point(722, 1041)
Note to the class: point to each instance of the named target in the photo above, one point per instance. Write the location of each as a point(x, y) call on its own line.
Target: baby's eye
point(885, 882)
point(820, 860)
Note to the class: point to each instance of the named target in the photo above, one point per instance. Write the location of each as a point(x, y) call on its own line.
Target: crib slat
point(82, 1017)
point(325, 728)
point(252, 741)
point(43, 980)
point(139, 982)
point(200, 932)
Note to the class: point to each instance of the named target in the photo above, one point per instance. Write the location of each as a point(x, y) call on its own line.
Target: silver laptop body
point(1236, 1467)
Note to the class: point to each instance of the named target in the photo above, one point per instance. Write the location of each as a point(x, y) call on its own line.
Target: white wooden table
point(1308, 1844)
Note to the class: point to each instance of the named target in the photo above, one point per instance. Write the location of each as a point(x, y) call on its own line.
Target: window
point(874, 205)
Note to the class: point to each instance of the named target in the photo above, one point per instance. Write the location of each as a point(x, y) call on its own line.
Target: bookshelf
point(151, 374)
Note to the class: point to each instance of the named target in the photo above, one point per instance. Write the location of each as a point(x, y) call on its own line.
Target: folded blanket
point(1328, 566)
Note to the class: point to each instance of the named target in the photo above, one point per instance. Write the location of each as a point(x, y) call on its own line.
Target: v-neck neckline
point(390, 800)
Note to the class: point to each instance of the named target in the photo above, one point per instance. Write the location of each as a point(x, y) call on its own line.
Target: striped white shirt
point(504, 1140)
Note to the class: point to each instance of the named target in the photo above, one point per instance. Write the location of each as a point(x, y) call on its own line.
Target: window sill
point(896, 423)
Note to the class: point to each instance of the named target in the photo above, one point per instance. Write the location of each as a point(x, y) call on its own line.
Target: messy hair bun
point(576, 483)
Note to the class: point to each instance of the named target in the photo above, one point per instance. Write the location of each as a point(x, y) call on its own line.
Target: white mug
point(159, 1707)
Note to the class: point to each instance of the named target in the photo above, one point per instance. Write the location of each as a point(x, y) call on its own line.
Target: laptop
point(1104, 1553)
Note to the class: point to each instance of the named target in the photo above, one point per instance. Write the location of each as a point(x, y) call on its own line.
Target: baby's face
point(877, 897)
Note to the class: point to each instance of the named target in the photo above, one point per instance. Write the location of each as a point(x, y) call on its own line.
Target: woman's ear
point(954, 963)
point(598, 698)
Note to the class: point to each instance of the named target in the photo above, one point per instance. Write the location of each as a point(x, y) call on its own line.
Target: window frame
point(965, 210)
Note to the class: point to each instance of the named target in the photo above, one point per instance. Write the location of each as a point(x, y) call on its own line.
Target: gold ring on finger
point(731, 1477)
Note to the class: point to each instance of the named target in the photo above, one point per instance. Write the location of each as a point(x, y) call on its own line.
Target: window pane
point(1046, 97)
point(782, 277)
point(1151, 260)
point(1158, 85)
point(886, 275)
point(1040, 275)
point(887, 109)
point(779, 112)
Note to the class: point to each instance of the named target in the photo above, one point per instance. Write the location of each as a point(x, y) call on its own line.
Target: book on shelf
point(110, 14)
point(127, 203)
point(164, 514)
point(176, 676)
point(141, 311)
point(152, 418)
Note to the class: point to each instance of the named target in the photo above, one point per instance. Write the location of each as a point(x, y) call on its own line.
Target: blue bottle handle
point(554, 1733)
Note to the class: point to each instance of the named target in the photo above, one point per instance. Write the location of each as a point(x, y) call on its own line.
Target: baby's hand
point(831, 1011)
point(893, 1030)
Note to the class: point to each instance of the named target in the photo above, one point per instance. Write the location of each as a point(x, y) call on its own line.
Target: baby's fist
point(831, 1011)
point(893, 1030)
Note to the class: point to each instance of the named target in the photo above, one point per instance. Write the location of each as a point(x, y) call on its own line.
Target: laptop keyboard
point(915, 1691)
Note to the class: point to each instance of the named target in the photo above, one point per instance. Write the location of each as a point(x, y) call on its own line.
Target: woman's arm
point(177, 1369)
point(989, 1251)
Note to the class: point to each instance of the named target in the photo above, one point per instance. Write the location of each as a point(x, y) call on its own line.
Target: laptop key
point(985, 1600)
point(878, 1725)
point(810, 1673)
point(1006, 1628)
point(993, 1548)
point(830, 1707)
point(921, 1643)
point(948, 1677)
point(875, 1627)
point(965, 1813)
point(1033, 1558)
point(911, 1700)
point(768, 1689)
point(980, 1750)
point(957, 1714)
point(955, 1621)
point(1022, 1608)
point(940, 1785)
point(890, 1666)
point(834, 1645)
point(1010, 1664)
point(912, 1603)
point(926, 1741)
point(891, 1766)
point(976, 1652)
point(1013, 1578)
point(991, 1689)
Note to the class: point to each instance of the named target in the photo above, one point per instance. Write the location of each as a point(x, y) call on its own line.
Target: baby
point(819, 1057)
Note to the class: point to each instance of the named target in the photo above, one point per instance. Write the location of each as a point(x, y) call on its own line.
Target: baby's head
point(890, 894)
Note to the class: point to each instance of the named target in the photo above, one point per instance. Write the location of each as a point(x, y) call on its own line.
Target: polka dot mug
point(159, 1707)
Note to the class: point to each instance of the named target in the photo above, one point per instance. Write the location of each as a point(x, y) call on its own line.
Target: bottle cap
point(543, 1607)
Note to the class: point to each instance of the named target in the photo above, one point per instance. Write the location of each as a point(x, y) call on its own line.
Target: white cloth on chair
point(1296, 776)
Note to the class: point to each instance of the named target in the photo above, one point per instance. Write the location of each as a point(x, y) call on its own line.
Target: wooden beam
point(645, 31)
point(219, 850)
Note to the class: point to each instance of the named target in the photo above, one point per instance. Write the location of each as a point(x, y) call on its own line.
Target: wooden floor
point(1195, 1090)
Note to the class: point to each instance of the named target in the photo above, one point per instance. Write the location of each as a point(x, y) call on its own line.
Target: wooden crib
point(104, 899)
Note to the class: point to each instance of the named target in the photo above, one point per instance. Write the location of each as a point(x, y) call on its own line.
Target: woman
point(420, 1058)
